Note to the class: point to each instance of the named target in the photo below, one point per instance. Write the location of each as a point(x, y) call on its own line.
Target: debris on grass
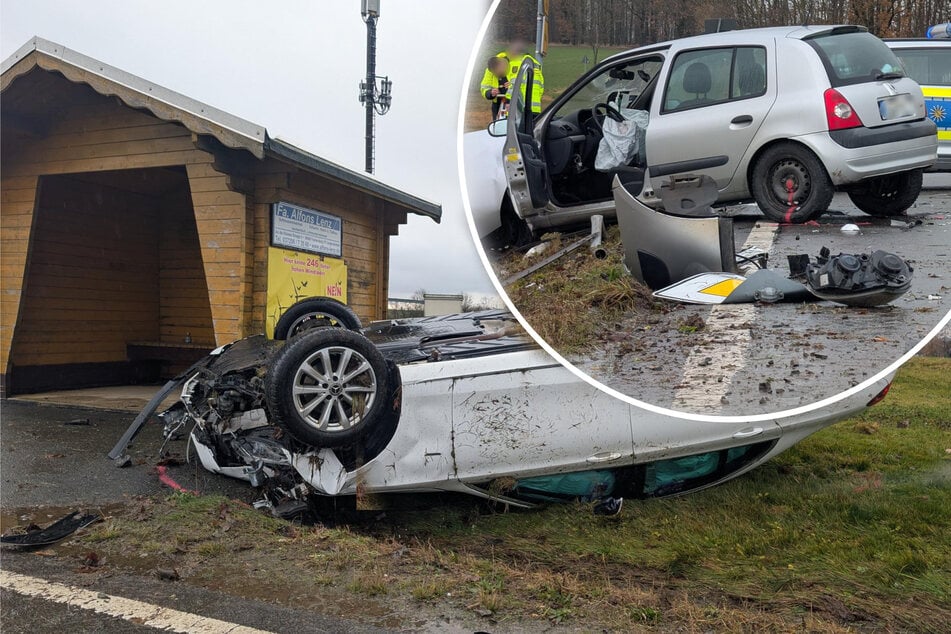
point(576, 300)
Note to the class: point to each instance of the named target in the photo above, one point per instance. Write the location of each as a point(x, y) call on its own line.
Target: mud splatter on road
point(757, 358)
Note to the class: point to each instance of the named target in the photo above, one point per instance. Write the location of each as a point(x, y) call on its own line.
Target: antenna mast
point(376, 93)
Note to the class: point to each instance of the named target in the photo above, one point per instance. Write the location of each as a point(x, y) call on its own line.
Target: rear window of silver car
point(929, 66)
point(855, 57)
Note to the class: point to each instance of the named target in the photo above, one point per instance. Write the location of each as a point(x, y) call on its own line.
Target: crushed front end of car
point(298, 418)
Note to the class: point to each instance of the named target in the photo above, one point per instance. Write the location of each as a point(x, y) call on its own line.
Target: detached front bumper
point(854, 155)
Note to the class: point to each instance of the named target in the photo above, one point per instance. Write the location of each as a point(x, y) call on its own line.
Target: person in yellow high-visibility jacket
point(538, 85)
point(493, 89)
point(495, 83)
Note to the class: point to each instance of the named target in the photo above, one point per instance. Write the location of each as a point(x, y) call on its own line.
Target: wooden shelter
point(136, 223)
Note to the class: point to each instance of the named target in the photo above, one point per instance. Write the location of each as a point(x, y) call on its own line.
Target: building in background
point(435, 304)
point(141, 228)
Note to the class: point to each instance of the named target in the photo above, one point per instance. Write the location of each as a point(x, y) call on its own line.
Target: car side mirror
point(499, 127)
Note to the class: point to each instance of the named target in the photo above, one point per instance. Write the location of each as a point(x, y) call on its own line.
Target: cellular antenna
point(376, 92)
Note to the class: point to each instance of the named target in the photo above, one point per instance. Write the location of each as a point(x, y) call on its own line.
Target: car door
point(525, 167)
point(710, 105)
point(661, 436)
point(523, 414)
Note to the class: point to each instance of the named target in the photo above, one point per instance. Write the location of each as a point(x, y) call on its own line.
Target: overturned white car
point(462, 403)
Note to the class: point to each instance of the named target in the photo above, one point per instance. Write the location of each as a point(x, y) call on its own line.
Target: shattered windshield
point(619, 85)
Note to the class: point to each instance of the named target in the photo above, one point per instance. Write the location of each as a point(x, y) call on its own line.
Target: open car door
point(525, 168)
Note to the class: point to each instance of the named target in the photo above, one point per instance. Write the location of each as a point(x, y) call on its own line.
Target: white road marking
point(710, 368)
point(139, 612)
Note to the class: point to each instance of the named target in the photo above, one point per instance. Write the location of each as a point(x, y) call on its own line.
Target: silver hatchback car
point(783, 115)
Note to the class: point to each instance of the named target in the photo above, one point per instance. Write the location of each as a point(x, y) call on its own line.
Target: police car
point(928, 61)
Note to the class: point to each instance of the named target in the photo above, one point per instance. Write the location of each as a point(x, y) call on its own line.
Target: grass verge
point(574, 302)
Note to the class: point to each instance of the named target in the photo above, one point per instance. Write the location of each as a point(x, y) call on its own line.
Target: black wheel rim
point(790, 182)
point(886, 187)
point(313, 320)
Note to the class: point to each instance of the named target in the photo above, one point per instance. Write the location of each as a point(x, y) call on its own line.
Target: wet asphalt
point(755, 359)
point(45, 461)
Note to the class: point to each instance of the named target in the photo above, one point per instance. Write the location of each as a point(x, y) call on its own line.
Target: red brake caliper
point(792, 206)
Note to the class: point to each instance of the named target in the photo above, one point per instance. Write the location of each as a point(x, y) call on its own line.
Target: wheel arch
point(751, 165)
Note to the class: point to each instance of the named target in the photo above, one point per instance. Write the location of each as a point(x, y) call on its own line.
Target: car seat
point(697, 80)
point(752, 80)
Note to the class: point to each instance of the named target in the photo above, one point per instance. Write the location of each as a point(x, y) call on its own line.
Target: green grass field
point(851, 529)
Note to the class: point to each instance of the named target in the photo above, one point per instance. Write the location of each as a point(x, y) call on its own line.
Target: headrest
point(752, 79)
point(697, 78)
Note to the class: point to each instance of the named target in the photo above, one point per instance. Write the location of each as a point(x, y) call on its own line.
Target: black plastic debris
point(798, 265)
point(608, 506)
point(58, 530)
point(859, 280)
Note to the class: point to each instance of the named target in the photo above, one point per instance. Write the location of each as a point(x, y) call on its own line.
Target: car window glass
point(855, 58)
point(619, 85)
point(677, 475)
point(931, 66)
point(517, 106)
point(699, 78)
point(749, 73)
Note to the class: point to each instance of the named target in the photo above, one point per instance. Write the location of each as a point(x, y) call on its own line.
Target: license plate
point(896, 107)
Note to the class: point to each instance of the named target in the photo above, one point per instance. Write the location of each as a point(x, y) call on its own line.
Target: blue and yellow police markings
point(938, 107)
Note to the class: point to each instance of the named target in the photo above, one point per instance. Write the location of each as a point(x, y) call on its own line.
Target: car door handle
point(743, 119)
point(749, 432)
point(606, 456)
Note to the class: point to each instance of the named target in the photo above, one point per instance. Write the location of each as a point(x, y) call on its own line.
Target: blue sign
point(302, 229)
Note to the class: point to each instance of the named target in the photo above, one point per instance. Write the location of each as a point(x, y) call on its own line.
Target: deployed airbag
point(621, 140)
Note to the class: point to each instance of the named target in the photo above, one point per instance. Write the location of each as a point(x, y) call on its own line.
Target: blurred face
point(499, 67)
point(517, 47)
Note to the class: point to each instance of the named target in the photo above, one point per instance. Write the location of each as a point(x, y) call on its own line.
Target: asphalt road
point(752, 359)
point(48, 462)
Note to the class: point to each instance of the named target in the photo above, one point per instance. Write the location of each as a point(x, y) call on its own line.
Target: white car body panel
point(485, 179)
point(520, 414)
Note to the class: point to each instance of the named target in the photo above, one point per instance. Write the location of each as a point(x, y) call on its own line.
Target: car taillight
point(839, 112)
point(880, 396)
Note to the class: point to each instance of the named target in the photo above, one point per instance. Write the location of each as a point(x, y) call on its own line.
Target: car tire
point(328, 388)
point(890, 195)
point(791, 163)
point(315, 312)
point(515, 231)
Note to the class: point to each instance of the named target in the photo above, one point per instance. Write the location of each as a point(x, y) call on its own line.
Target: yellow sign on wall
point(293, 276)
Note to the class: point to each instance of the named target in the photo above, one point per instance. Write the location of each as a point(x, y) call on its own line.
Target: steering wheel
point(609, 111)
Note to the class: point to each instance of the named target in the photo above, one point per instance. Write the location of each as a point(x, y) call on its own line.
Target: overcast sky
point(294, 66)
